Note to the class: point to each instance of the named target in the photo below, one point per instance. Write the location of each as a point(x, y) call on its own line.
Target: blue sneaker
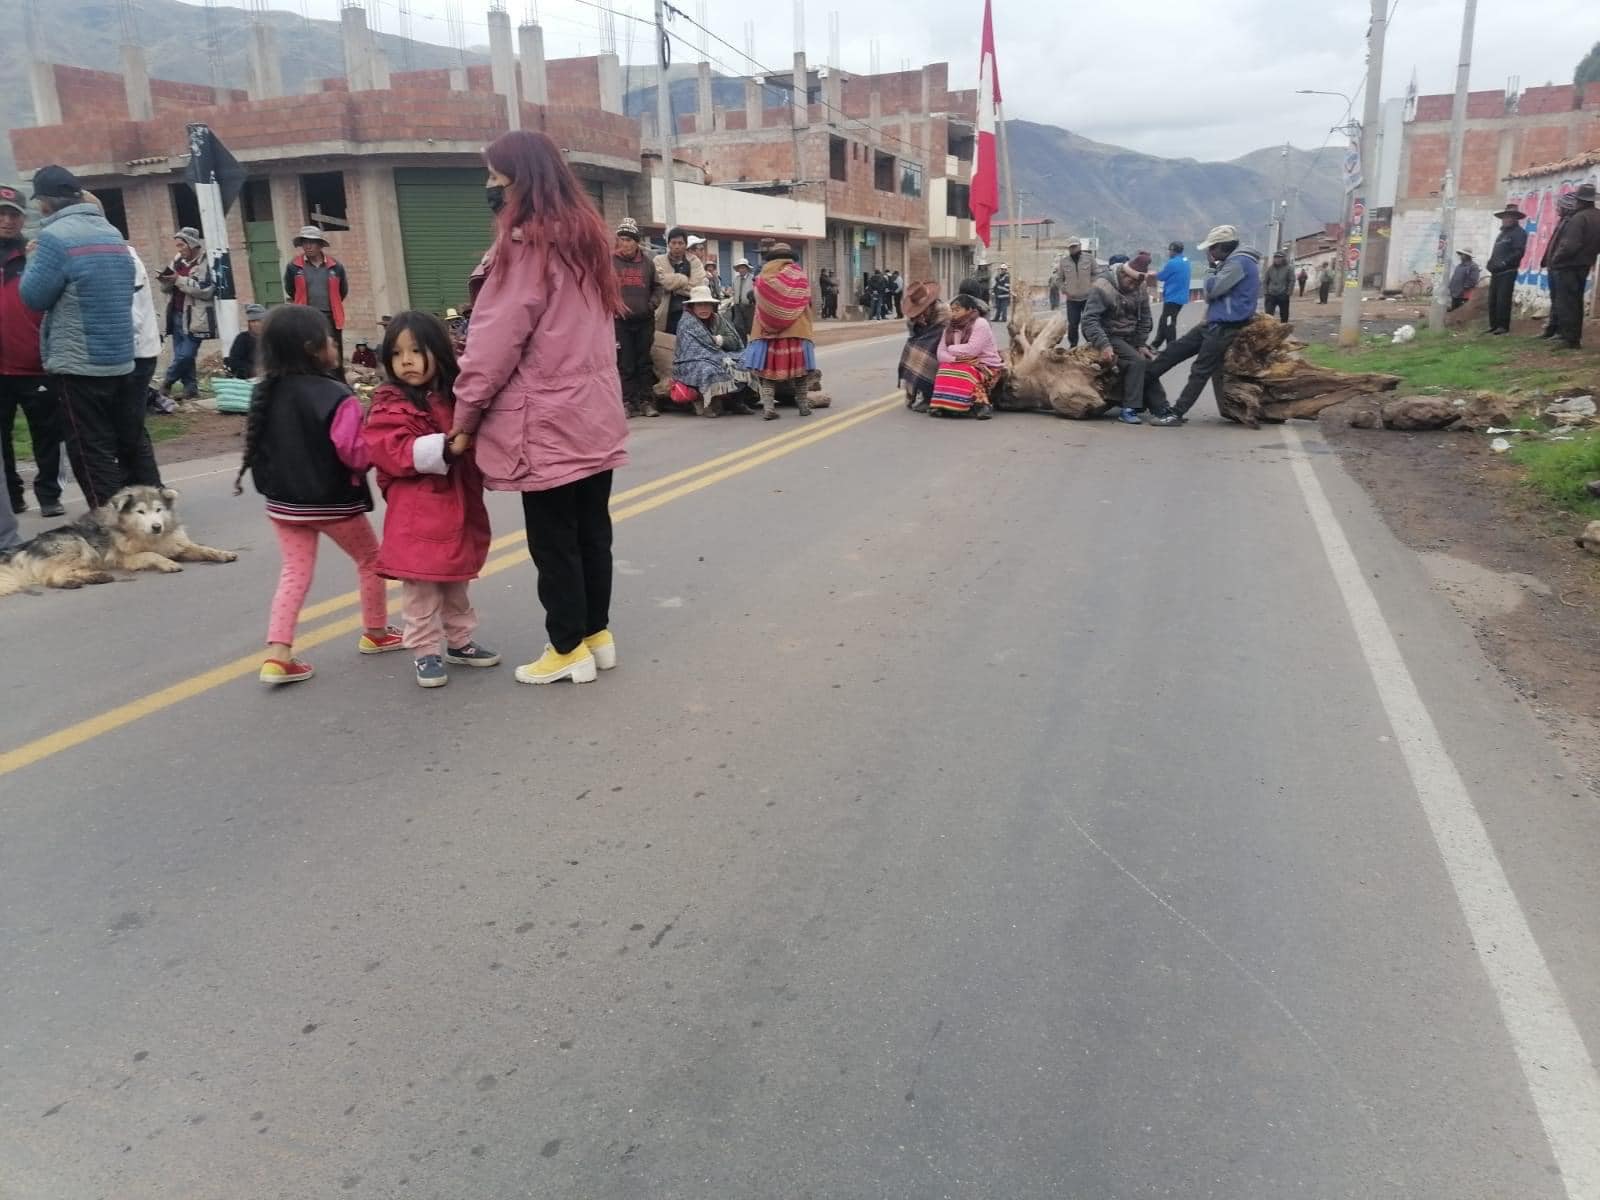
point(1129, 416)
point(471, 655)
point(430, 671)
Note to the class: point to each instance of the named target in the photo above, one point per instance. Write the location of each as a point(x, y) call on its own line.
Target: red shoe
point(388, 640)
point(275, 671)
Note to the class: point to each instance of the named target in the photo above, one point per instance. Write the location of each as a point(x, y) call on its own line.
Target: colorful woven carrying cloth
point(783, 301)
point(960, 386)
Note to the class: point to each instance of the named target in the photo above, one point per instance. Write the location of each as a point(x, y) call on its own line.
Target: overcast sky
point(1177, 78)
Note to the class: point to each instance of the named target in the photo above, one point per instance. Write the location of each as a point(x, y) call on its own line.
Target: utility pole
point(664, 118)
point(1356, 241)
point(1452, 174)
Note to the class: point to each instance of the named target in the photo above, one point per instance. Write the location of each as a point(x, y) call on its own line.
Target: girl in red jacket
point(435, 527)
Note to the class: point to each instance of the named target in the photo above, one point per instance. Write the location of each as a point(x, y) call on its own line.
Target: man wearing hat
point(81, 276)
point(1504, 260)
point(23, 383)
point(1463, 279)
point(636, 327)
point(743, 293)
point(1117, 323)
point(191, 308)
point(1573, 251)
point(316, 279)
point(241, 357)
point(1232, 289)
point(1077, 274)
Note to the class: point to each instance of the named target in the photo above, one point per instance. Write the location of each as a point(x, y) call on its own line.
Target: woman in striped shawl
point(926, 316)
point(780, 347)
point(969, 363)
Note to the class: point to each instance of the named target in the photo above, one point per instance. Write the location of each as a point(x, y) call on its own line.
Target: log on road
point(1264, 377)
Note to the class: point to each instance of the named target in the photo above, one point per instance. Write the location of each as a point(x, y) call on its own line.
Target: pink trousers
point(298, 542)
point(437, 615)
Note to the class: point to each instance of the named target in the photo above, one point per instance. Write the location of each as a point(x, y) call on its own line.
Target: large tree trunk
point(1042, 377)
point(1264, 378)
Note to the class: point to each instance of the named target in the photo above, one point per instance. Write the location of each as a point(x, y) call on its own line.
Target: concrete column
point(927, 93)
point(802, 111)
point(380, 222)
point(502, 65)
point(136, 84)
point(610, 69)
point(266, 68)
point(358, 50)
point(46, 100)
point(380, 66)
point(833, 95)
point(458, 79)
point(703, 118)
point(535, 78)
point(752, 104)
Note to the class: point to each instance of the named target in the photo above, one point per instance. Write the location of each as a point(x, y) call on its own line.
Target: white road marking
point(1555, 1062)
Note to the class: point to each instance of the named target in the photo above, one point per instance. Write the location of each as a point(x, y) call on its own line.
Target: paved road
point(1021, 810)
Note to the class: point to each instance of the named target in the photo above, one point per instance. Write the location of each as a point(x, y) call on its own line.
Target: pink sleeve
point(943, 352)
point(501, 325)
point(349, 443)
point(984, 348)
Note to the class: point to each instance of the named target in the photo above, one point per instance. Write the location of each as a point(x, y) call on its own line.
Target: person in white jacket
point(146, 336)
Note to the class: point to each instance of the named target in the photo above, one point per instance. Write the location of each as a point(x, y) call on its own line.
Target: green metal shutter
point(445, 227)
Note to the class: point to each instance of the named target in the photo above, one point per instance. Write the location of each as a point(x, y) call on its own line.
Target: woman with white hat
point(705, 371)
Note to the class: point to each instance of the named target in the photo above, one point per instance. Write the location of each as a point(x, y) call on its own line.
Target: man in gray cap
point(191, 308)
point(316, 279)
point(241, 357)
point(81, 276)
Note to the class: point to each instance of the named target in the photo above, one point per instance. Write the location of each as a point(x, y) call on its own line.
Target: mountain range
point(1130, 199)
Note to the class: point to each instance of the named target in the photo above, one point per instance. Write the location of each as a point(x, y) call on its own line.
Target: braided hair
point(293, 342)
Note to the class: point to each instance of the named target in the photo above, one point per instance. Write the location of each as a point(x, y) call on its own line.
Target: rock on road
point(1020, 810)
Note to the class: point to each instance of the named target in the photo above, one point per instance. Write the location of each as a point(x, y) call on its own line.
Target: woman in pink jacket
point(969, 363)
point(538, 397)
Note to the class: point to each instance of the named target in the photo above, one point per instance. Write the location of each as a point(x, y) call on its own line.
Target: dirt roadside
point(1501, 554)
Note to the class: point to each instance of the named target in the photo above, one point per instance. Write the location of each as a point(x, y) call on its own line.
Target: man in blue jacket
point(1176, 279)
point(81, 276)
point(1232, 290)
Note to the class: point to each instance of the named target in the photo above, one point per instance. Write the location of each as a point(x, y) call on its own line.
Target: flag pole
point(1019, 282)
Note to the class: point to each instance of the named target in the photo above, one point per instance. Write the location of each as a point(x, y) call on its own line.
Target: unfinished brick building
point(888, 155)
point(390, 165)
point(1507, 137)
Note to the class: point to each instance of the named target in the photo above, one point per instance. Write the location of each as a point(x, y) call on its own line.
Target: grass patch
point(163, 428)
point(1558, 471)
point(1455, 362)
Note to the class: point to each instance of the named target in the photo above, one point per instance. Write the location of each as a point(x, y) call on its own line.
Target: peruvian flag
point(984, 197)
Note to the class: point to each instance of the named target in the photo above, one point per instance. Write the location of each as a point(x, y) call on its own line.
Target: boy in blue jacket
point(1176, 279)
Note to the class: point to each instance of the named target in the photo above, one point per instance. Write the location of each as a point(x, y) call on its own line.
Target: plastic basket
point(233, 395)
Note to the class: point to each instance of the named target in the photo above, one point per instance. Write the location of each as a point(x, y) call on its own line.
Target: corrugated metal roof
point(1588, 158)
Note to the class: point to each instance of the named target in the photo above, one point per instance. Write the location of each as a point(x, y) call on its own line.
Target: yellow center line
point(631, 503)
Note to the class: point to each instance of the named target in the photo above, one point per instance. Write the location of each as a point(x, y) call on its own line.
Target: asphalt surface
point(1002, 810)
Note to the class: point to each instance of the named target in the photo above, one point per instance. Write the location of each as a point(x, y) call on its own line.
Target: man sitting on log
point(1232, 290)
point(1116, 322)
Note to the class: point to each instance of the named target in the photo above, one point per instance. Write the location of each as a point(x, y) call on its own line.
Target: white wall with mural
point(1536, 195)
point(1414, 241)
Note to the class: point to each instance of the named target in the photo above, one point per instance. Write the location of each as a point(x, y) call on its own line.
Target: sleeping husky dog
point(136, 530)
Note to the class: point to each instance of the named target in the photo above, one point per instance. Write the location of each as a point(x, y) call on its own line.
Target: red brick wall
point(1434, 108)
point(1591, 96)
point(586, 129)
point(1539, 100)
point(575, 80)
point(1480, 163)
point(1485, 104)
point(169, 96)
point(898, 91)
point(1430, 152)
point(420, 81)
point(1541, 144)
point(89, 95)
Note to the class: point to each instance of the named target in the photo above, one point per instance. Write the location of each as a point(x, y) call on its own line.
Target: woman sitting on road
point(926, 317)
point(969, 363)
point(780, 347)
point(536, 399)
point(704, 367)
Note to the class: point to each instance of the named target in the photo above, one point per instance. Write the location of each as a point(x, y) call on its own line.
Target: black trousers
point(1302, 288)
point(1566, 303)
point(569, 539)
point(1279, 305)
point(1502, 287)
point(1074, 319)
point(107, 445)
point(1140, 389)
point(830, 305)
point(635, 338)
point(35, 395)
point(1002, 308)
point(1167, 325)
point(1322, 292)
point(1207, 344)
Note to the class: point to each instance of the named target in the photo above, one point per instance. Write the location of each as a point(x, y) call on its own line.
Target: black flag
point(211, 162)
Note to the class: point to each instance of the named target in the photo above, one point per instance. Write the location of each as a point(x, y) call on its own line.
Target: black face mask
point(495, 194)
point(9, 244)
